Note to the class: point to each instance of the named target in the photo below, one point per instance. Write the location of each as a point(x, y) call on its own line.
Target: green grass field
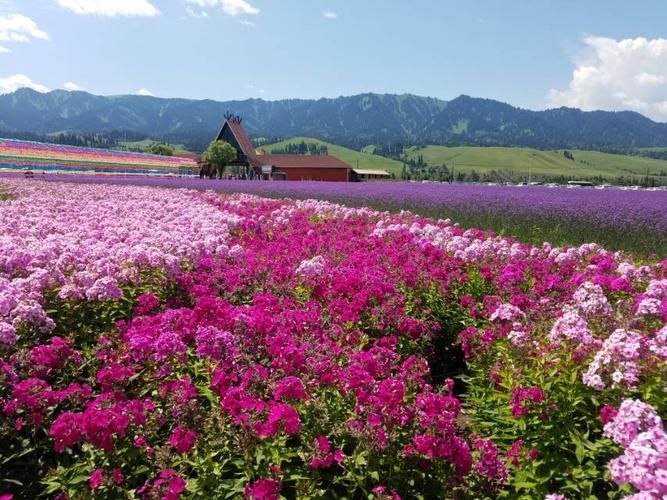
point(519, 161)
point(143, 146)
point(540, 163)
point(356, 159)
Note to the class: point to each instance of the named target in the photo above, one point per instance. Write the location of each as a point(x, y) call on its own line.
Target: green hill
point(356, 159)
point(521, 161)
point(179, 149)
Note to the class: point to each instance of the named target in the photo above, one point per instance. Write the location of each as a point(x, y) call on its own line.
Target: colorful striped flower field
point(26, 155)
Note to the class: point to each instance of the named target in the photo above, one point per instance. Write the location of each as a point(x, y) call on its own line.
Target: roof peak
point(231, 117)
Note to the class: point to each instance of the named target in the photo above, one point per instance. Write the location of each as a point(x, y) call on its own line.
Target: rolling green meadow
point(521, 161)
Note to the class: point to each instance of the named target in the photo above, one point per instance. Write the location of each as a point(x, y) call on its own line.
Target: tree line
point(301, 148)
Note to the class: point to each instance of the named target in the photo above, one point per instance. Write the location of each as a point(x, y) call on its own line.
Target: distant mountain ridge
point(353, 121)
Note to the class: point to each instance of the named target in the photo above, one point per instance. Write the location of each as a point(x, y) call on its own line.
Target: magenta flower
point(264, 489)
point(96, 479)
point(182, 439)
point(290, 388)
point(67, 430)
point(281, 417)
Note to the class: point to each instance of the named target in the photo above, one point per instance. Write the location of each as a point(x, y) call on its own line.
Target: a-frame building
point(249, 165)
point(246, 161)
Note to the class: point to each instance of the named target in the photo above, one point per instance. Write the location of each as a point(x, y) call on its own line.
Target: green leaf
point(80, 479)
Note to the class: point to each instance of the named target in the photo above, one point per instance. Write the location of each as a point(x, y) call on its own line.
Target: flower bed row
point(231, 346)
point(16, 154)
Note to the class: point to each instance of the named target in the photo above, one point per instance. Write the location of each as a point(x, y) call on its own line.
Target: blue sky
point(524, 52)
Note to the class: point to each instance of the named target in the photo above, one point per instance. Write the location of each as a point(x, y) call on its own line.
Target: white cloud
point(193, 13)
point(330, 15)
point(110, 7)
point(647, 79)
point(19, 29)
point(145, 92)
point(231, 7)
point(15, 82)
point(72, 87)
point(619, 75)
point(250, 24)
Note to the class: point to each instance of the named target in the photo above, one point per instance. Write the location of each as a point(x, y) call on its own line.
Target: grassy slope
point(365, 159)
point(520, 160)
point(143, 145)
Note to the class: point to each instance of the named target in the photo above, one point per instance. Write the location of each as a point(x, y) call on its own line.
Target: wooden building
point(362, 174)
point(249, 165)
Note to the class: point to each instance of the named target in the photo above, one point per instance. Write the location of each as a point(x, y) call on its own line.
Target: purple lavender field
point(634, 221)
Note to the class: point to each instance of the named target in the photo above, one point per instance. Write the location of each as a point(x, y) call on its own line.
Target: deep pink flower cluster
point(490, 464)
point(524, 399)
point(104, 421)
point(324, 457)
point(264, 489)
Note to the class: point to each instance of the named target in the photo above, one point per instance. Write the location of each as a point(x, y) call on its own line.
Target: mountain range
point(353, 121)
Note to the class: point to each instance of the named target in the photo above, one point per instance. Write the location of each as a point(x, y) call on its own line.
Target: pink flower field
point(170, 343)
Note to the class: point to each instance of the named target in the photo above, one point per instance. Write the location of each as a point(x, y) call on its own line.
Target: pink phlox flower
point(264, 489)
point(290, 388)
point(507, 312)
point(572, 328)
point(632, 418)
point(146, 303)
point(182, 439)
point(490, 463)
point(96, 479)
point(312, 268)
point(214, 344)
point(591, 301)
point(618, 360)
point(281, 417)
point(644, 463)
point(524, 399)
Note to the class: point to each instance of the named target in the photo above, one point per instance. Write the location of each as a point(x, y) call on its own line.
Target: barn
point(249, 165)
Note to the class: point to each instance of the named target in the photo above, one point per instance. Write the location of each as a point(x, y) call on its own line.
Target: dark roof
point(302, 161)
point(242, 138)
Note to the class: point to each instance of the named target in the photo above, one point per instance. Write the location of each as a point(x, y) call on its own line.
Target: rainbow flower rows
point(177, 344)
point(21, 155)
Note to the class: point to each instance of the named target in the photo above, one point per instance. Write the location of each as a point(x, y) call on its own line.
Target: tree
point(218, 155)
point(157, 148)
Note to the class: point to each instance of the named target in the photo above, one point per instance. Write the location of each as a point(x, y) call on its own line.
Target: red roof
point(302, 161)
point(244, 141)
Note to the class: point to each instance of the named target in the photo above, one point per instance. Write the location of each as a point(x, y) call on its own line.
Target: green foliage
point(219, 154)
point(302, 148)
point(572, 454)
point(158, 148)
